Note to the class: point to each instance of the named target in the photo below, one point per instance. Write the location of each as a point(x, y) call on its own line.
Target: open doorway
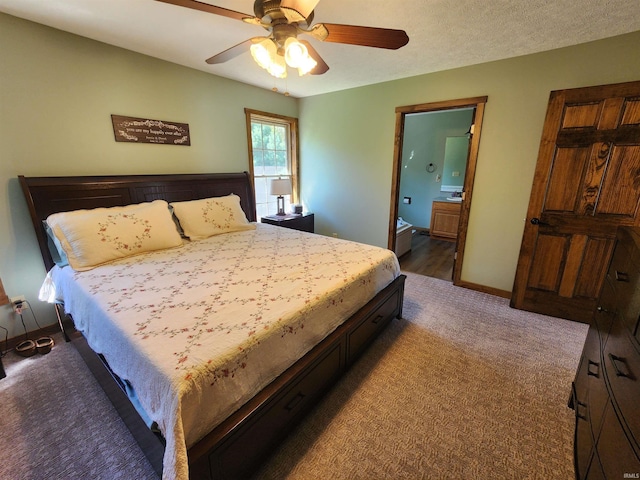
point(429, 193)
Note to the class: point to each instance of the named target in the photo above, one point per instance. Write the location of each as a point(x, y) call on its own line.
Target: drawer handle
point(597, 369)
point(295, 401)
point(622, 276)
point(614, 359)
point(376, 320)
point(602, 310)
point(578, 405)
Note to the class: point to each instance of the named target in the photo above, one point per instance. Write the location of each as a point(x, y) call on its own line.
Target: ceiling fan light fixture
point(295, 53)
point(278, 67)
point(306, 66)
point(297, 56)
point(264, 52)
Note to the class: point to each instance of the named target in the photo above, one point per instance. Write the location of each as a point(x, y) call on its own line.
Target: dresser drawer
point(623, 374)
point(595, 469)
point(624, 275)
point(617, 458)
point(606, 310)
point(597, 397)
point(589, 362)
point(606, 393)
point(589, 395)
point(583, 445)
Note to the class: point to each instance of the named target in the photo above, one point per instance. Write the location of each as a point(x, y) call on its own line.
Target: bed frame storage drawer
point(366, 331)
point(243, 452)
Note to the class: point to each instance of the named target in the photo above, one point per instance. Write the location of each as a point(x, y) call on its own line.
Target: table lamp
point(280, 187)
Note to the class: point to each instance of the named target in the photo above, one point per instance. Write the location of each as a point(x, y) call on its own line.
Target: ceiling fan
point(285, 20)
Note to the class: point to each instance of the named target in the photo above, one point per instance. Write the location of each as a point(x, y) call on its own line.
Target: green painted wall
point(347, 143)
point(57, 94)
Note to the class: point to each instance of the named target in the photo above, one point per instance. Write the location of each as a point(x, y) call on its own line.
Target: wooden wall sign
point(143, 130)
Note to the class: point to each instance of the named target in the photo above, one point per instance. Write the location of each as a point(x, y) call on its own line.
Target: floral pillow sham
point(93, 237)
point(204, 218)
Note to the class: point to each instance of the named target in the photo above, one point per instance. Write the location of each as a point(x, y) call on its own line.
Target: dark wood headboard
point(47, 195)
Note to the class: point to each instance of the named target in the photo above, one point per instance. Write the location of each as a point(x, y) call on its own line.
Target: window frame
point(292, 124)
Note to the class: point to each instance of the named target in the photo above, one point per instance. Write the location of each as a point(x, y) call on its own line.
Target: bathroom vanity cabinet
point(445, 216)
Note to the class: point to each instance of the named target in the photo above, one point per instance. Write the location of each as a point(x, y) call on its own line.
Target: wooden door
point(586, 184)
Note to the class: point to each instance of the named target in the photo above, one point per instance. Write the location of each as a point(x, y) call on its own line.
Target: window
point(273, 153)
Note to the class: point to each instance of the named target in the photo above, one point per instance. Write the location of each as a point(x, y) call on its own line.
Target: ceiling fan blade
point(233, 52)
point(297, 10)
point(356, 35)
point(321, 66)
point(205, 7)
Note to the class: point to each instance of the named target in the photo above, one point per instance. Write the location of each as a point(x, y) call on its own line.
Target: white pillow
point(211, 216)
point(93, 237)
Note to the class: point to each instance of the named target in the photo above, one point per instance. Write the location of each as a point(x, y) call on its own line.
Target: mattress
point(199, 330)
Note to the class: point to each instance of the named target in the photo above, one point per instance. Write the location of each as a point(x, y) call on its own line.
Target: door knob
point(536, 221)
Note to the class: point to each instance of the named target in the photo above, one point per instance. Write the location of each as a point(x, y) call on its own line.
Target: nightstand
point(302, 221)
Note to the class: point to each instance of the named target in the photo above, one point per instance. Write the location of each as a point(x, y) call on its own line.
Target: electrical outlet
point(19, 302)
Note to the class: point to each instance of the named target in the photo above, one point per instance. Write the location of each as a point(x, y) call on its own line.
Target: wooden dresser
point(606, 390)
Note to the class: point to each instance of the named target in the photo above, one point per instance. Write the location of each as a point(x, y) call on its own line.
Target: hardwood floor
point(429, 257)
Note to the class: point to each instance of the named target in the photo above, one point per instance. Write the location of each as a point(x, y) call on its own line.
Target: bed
point(300, 346)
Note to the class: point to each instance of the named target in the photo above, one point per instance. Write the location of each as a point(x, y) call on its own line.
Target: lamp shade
point(3, 296)
point(280, 186)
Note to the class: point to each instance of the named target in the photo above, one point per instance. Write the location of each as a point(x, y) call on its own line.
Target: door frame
point(478, 103)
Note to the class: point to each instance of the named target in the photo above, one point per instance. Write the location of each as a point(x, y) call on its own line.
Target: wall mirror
point(455, 163)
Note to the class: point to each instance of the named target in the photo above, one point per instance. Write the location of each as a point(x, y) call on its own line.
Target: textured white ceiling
point(443, 34)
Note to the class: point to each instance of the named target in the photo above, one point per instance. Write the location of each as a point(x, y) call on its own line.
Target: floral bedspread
point(199, 330)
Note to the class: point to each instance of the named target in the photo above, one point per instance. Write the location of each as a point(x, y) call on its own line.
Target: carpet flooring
point(461, 387)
